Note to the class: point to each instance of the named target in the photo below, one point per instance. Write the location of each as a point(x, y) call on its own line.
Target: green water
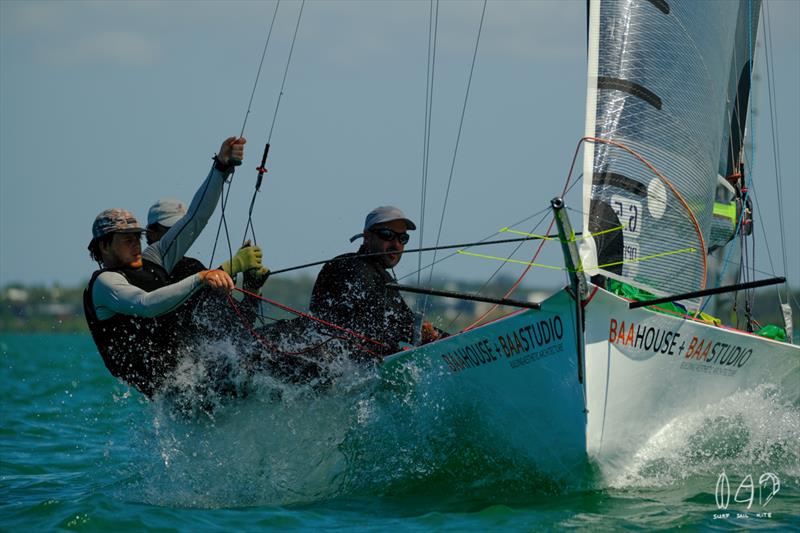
point(80, 451)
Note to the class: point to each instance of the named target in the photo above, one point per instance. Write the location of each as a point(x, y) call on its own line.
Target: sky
point(117, 104)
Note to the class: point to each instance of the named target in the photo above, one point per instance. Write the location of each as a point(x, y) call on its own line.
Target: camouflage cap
point(115, 221)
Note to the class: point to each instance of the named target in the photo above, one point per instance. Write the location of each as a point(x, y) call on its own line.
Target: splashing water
point(273, 442)
point(260, 439)
point(754, 430)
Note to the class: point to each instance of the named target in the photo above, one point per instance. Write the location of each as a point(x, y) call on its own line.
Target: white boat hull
point(518, 379)
point(520, 383)
point(646, 369)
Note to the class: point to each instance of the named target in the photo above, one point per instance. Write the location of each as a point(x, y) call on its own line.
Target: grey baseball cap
point(166, 212)
point(115, 221)
point(384, 213)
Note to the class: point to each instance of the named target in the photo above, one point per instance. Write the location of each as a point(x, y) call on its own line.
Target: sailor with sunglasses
point(351, 290)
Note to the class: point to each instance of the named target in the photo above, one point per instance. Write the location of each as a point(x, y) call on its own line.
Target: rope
point(223, 201)
point(268, 345)
point(567, 186)
point(516, 284)
point(413, 250)
point(311, 317)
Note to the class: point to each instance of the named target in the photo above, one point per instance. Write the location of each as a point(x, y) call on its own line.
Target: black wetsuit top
point(351, 292)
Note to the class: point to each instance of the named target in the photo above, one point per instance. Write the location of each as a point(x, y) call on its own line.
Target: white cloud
point(32, 16)
point(121, 48)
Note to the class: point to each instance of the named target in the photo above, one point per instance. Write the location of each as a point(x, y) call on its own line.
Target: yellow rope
point(517, 261)
point(516, 232)
point(505, 260)
point(603, 232)
point(545, 237)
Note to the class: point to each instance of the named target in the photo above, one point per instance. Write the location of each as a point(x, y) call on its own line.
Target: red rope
point(668, 183)
point(310, 317)
point(263, 341)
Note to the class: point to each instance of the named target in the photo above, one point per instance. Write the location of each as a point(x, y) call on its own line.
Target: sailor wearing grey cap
point(382, 215)
point(166, 213)
point(133, 311)
point(161, 216)
point(351, 290)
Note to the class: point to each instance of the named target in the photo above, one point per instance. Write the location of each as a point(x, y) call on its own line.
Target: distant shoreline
point(57, 309)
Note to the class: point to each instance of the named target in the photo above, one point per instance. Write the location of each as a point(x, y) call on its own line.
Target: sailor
point(134, 313)
point(207, 315)
point(351, 290)
point(166, 212)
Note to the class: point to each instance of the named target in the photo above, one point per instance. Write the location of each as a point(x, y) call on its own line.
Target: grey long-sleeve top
point(112, 293)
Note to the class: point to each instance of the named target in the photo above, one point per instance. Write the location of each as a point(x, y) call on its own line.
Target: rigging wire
point(262, 169)
point(433, 32)
point(747, 263)
point(483, 287)
point(224, 198)
point(458, 137)
point(514, 251)
point(417, 250)
point(776, 151)
point(668, 183)
point(260, 65)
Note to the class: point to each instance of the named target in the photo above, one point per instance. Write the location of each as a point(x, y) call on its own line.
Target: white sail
point(659, 72)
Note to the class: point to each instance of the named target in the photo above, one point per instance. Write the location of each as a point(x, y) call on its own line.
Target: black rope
point(414, 250)
point(223, 200)
point(465, 296)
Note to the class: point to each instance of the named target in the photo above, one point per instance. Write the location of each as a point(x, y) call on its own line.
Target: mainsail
point(667, 95)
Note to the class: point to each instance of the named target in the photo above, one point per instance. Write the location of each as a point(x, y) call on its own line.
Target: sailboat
point(588, 373)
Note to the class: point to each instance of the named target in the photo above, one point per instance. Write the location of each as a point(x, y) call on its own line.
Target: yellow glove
point(246, 258)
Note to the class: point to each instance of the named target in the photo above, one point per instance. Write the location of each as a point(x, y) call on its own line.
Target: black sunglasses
point(385, 234)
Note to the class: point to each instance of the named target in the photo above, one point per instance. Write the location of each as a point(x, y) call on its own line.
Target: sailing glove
point(246, 258)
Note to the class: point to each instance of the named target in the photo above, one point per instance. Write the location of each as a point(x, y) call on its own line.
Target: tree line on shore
point(59, 309)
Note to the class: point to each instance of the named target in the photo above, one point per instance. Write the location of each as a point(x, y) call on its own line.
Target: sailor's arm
point(180, 237)
point(113, 294)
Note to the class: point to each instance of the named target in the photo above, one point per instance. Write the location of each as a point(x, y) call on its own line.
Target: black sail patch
point(622, 182)
point(617, 84)
point(662, 5)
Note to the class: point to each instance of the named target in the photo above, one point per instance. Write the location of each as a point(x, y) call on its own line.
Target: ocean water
point(80, 451)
